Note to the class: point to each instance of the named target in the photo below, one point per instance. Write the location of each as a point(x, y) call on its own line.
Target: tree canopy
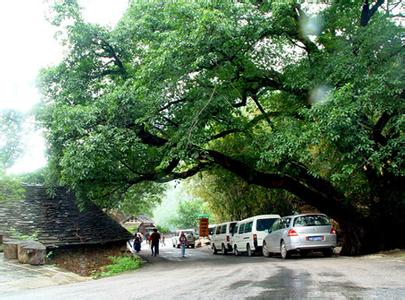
point(228, 197)
point(310, 104)
point(188, 212)
point(11, 122)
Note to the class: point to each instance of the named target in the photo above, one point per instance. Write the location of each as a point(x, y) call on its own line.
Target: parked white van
point(211, 230)
point(249, 233)
point(221, 238)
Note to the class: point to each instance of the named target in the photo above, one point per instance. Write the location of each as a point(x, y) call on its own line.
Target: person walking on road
point(183, 243)
point(154, 238)
point(137, 242)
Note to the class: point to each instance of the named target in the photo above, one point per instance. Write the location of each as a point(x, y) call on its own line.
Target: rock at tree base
point(31, 252)
point(10, 249)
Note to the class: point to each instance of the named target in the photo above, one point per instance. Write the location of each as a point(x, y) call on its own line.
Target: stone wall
point(84, 260)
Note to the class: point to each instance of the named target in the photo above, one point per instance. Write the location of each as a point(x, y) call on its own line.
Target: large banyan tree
point(308, 100)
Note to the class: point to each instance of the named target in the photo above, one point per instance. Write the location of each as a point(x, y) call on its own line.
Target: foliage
point(15, 234)
point(118, 265)
point(187, 213)
point(132, 228)
point(10, 137)
point(11, 122)
point(142, 198)
point(162, 229)
point(313, 106)
point(231, 198)
point(10, 188)
point(40, 176)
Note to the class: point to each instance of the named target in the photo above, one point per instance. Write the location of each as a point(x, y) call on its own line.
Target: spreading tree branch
point(367, 12)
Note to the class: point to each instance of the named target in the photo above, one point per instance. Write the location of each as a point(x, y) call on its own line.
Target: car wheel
point(248, 250)
point(174, 246)
point(283, 250)
point(214, 250)
point(235, 251)
point(265, 252)
point(327, 252)
point(192, 246)
point(224, 252)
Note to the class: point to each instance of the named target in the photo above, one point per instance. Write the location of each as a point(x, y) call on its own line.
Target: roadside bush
point(118, 265)
point(15, 234)
point(132, 228)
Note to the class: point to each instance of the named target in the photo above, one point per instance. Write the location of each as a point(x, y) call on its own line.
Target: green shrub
point(15, 234)
point(132, 228)
point(10, 188)
point(118, 265)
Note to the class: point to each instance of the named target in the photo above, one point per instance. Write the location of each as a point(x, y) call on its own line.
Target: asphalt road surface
point(202, 275)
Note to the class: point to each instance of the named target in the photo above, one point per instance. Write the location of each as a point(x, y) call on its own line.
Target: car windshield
point(264, 224)
point(313, 220)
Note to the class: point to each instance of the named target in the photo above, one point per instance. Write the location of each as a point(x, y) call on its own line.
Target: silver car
point(300, 233)
point(190, 236)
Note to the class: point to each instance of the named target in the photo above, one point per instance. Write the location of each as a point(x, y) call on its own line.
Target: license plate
point(315, 238)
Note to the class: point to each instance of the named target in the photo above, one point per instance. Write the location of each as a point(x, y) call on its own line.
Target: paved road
point(202, 275)
point(15, 276)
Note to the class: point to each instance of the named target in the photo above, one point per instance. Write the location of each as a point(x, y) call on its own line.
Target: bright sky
point(27, 45)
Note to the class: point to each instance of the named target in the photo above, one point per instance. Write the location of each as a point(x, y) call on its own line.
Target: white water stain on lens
point(312, 26)
point(320, 94)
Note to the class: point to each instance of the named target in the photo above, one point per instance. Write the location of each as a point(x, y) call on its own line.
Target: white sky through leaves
point(27, 45)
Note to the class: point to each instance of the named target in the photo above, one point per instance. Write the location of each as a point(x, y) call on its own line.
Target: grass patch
point(15, 234)
point(132, 228)
point(118, 265)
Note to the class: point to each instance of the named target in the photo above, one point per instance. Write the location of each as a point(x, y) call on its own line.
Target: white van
point(221, 238)
point(249, 233)
point(211, 230)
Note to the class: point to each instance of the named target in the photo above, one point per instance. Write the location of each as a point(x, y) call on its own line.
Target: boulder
point(10, 249)
point(31, 252)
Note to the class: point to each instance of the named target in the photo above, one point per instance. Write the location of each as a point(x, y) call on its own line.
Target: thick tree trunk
point(356, 238)
point(381, 230)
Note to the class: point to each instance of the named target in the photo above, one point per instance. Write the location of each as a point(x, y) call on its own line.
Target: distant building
point(143, 223)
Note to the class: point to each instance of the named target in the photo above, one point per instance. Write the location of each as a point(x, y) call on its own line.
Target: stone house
point(76, 238)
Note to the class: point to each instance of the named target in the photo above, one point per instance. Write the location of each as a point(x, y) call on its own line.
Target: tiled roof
point(143, 219)
point(57, 220)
